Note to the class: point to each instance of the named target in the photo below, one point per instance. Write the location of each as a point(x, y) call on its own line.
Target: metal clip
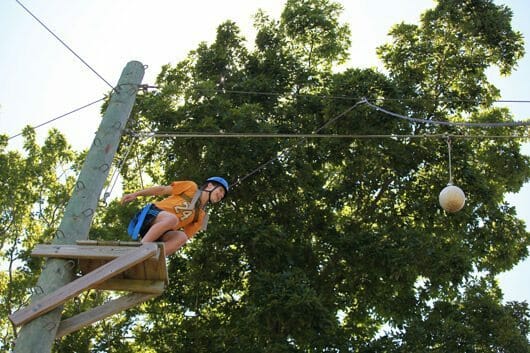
point(80, 185)
point(70, 265)
point(37, 290)
point(88, 212)
point(104, 167)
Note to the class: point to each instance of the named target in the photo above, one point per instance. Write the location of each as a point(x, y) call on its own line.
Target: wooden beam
point(133, 285)
point(101, 312)
point(83, 251)
point(72, 289)
point(157, 269)
point(162, 266)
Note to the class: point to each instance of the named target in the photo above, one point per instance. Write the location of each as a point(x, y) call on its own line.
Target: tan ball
point(452, 198)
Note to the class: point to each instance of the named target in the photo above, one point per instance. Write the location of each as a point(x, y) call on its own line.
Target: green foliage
point(336, 245)
point(36, 185)
point(314, 29)
point(475, 322)
point(443, 60)
point(329, 242)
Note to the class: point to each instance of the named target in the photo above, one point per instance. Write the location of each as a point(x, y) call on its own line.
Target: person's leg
point(173, 240)
point(163, 222)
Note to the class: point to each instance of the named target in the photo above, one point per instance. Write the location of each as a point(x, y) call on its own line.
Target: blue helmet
point(220, 181)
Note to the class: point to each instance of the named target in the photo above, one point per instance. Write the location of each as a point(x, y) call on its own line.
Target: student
point(178, 217)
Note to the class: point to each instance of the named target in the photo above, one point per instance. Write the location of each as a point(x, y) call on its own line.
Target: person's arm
point(152, 191)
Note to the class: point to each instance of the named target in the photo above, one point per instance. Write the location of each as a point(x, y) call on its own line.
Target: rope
point(285, 151)
point(450, 171)
point(448, 123)
point(163, 135)
point(61, 116)
point(65, 45)
point(138, 165)
point(116, 173)
point(334, 97)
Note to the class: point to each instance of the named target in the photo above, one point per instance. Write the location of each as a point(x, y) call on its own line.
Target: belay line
point(286, 150)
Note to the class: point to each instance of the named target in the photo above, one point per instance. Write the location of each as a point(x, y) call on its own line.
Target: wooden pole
point(38, 335)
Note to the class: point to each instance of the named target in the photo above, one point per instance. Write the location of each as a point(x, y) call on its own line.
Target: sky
point(42, 80)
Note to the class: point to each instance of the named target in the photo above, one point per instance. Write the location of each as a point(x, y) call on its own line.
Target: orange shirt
point(178, 203)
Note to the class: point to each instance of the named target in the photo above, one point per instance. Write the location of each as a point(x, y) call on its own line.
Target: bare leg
point(164, 222)
point(174, 240)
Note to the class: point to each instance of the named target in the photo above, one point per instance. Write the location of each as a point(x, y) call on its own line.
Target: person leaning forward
point(179, 216)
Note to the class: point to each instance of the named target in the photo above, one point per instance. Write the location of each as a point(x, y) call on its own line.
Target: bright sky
point(42, 80)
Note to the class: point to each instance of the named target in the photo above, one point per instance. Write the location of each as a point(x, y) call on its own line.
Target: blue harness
point(138, 220)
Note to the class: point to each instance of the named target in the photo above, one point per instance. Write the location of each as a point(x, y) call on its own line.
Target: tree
point(333, 245)
point(334, 239)
point(443, 60)
point(474, 322)
point(35, 185)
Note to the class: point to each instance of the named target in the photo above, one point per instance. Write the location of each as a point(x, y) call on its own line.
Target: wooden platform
point(119, 266)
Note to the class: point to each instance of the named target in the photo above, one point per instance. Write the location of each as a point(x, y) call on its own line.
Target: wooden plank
point(84, 266)
point(155, 269)
point(162, 267)
point(82, 252)
point(72, 289)
point(101, 312)
point(151, 270)
point(89, 265)
point(133, 285)
point(136, 272)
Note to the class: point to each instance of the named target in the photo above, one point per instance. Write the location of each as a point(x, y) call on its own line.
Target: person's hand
point(128, 198)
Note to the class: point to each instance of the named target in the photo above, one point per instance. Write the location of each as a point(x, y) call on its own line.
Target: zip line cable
point(302, 136)
point(355, 98)
point(316, 135)
point(65, 45)
point(61, 116)
point(447, 123)
point(362, 101)
point(333, 97)
point(163, 135)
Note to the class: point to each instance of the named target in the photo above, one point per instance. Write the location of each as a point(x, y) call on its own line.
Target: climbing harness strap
point(194, 206)
point(138, 220)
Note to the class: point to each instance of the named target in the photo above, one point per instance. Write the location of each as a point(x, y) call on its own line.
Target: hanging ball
point(452, 198)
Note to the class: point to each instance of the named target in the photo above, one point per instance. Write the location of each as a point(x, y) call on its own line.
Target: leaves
point(326, 244)
point(36, 187)
point(443, 61)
